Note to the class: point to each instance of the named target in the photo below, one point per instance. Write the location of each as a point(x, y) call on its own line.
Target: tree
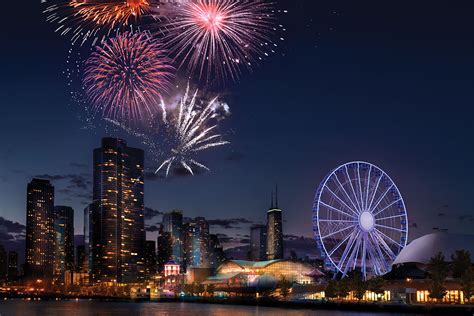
point(343, 288)
point(461, 262)
point(331, 289)
point(438, 268)
point(285, 286)
point(377, 285)
point(357, 285)
point(467, 283)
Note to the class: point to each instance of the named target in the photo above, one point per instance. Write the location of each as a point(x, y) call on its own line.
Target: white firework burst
point(192, 129)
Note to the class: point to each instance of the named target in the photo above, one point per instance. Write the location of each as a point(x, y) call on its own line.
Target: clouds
point(11, 231)
point(151, 213)
point(229, 223)
point(152, 228)
point(77, 186)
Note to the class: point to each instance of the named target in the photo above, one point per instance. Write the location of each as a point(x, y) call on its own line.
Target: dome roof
point(422, 249)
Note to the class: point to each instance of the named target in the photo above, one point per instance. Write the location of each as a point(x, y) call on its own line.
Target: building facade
point(12, 266)
point(196, 243)
point(39, 251)
point(173, 224)
point(258, 243)
point(63, 242)
point(216, 252)
point(117, 218)
point(3, 264)
point(150, 258)
point(274, 232)
point(165, 249)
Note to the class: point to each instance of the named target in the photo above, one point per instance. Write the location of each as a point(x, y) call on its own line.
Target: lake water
point(86, 308)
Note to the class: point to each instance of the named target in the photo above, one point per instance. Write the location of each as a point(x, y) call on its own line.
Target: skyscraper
point(86, 260)
point(39, 254)
point(150, 258)
point(196, 243)
point(173, 224)
point(274, 231)
point(12, 266)
point(258, 242)
point(216, 252)
point(165, 249)
point(117, 216)
point(63, 242)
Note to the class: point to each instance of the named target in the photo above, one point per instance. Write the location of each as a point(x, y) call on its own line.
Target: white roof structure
point(422, 249)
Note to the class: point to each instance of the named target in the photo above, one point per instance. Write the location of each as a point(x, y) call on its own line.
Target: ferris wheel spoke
point(345, 192)
point(375, 192)
point(337, 221)
point(360, 188)
point(381, 257)
point(359, 242)
point(389, 217)
point(364, 256)
point(375, 262)
point(350, 261)
point(388, 238)
point(386, 207)
point(367, 188)
point(339, 244)
point(354, 235)
point(382, 197)
point(387, 249)
point(353, 191)
point(336, 209)
point(337, 232)
point(340, 200)
point(391, 228)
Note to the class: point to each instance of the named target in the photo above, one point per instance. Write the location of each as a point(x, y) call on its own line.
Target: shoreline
point(438, 309)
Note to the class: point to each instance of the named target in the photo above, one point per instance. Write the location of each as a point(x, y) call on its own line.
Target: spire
point(271, 201)
point(276, 195)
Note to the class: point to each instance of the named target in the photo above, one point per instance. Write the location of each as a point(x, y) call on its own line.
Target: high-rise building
point(39, 254)
point(86, 261)
point(173, 224)
point(81, 259)
point(12, 266)
point(117, 216)
point(274, 231)
point(3, 264)
point(165, 249)
point(150, 258)
point(258, 242)
point(216, 252)
point(63, 242)
point(196, 243)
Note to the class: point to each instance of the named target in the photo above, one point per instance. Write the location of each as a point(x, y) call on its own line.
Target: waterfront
point(86, 308)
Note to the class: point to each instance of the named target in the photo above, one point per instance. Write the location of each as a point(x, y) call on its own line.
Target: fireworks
point(192, 130)
point(126, 77)
point(217, 37)
point(86, 19)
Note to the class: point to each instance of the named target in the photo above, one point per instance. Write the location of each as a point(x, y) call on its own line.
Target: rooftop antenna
point(276, 195)
point(271, 201)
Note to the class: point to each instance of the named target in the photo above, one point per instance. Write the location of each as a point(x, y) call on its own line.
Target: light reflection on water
point(91, 308)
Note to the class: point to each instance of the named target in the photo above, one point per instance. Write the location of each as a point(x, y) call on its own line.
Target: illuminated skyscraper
point(39, 254)
point(274, 231)
point(258, 243)
point(173, 224)
point(216, 252)
point(196, 243)
point(63, 242)
point(117, 216)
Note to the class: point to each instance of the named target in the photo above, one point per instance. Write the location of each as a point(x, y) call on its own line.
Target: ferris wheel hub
point(366, 221)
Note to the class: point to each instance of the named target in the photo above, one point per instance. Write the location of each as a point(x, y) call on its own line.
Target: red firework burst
point(217, 37)
point(126, 77)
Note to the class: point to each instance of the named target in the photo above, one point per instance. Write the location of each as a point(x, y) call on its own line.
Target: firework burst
point(216, 38)
point(126, 77)
point(192, 129)
point(86, 19)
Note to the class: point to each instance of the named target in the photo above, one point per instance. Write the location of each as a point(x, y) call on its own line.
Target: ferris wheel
point(359, 219)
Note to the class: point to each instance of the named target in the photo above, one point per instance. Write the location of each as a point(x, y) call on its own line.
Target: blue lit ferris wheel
point(359, 219)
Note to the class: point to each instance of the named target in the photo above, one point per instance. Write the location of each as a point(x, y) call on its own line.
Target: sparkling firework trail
point(215, 38)
point(192, 131)
point(126, 77)
point(96, 19)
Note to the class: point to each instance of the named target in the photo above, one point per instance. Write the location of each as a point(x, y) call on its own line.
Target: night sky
point(389, 82)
